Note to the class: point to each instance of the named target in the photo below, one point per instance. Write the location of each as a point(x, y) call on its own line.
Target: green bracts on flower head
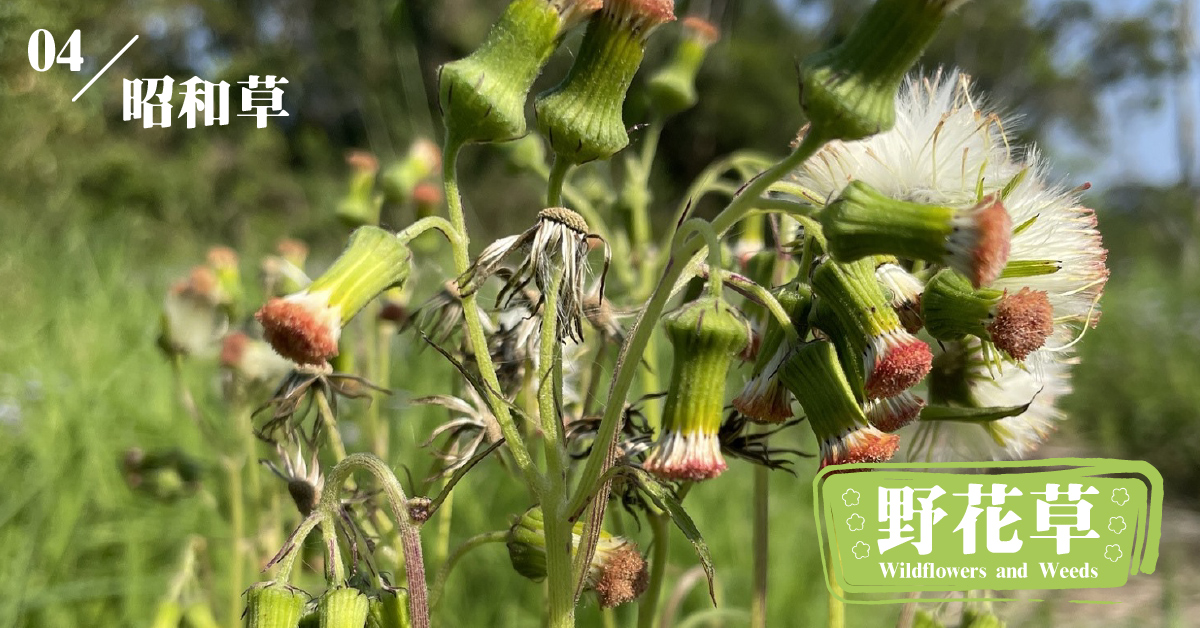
point(273, 605)
point(672, 88)
point(707, 335)
point(343, 607)
point(848, 91)
point(389, 610)
point(863, 222)
point(483, 95)
point(305, 327)
point(581, 117)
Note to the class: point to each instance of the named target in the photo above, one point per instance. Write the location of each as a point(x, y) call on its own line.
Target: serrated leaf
point(664, 498)
point(971, 415)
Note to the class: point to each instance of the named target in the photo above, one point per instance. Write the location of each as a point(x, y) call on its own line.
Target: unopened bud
point(1018, 323)
point(361, 205)
point(273, 605)
point(401, 179)
point(706, 336)
point(343, 607)
point(389, 610)
point(848, 91)
point(973, 240)
point(673, 88)
point(483, 95)
point(305, 327)
point(581, 117)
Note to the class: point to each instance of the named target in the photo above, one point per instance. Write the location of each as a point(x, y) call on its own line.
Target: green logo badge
point(1043, 524)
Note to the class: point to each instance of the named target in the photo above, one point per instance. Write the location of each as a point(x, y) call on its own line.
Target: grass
point(81, 381)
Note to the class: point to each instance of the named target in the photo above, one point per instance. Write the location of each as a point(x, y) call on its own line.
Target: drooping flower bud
point(400, 180)
point(305, 326)
point(361, 205)
point(1018, 323)
point(673, 87)
point(849, 91)
point(892, 413)
point(283, 274)
point(581, 117)
point(273, 605)
point(617, 572)
point(706, 335)
point(972, 240)
point(427, 198)
point(893, 359)
point(483, 95)
point(813, 374)
point(224, 262)
point(343, 607)
point(252, 360)
point(389, 609)
point(764, 398)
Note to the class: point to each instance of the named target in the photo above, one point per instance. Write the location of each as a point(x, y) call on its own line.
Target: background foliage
point(98, 215)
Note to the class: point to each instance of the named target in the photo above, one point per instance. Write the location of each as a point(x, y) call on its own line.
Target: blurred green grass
point(81, 380)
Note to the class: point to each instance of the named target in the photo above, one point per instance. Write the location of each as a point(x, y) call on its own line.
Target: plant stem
point(554, 188)
point(443, 574)
point(331, 427)
point(837, 608)
point(561, 602)
point(384, 331)
point(475, 333)
point(758, 604)
point(660, 530)
point(237, 523)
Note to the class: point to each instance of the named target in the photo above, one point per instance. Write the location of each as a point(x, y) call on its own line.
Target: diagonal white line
point(102, 70)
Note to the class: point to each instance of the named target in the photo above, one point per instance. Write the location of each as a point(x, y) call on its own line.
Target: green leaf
point(971, 415)
point(664, 498)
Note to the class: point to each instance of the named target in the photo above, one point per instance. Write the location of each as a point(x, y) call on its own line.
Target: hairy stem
point(660, 530)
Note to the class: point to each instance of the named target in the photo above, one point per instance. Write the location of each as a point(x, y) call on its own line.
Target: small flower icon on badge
point(1116, 524)
point(862, 550)
point(1113, 553)
point(1120, 496)
point(856, 522)
point(850, 497)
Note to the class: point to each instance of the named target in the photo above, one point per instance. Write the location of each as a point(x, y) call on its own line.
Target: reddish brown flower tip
point(201, 284)
point(427, 194)
point(901, 361)
point(233, 347)
point(994, 240)
point(291, 249)
point(865, 444)
point(703, 29)
point(222, 257)
point(642, 15)
point(1022, 323)
point(893, 413)
point(694, 457)
point(300, 330)
point(623, 577)
point(362, 161)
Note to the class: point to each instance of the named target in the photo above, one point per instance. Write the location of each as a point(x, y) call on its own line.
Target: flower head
point(559, 241)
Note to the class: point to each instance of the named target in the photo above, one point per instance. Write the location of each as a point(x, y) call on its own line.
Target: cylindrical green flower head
point(926, 620)
point(343, 607)
point(361, 205)
point(764, 398)
point(893, 360)
point(617, 573)
point(224, 263)
point(813, 374)
point(483, 95)
point(305, 326)
point(706, 335)
point(1017, 323)
point(672, 88)
point(974, 240)
point(976, 619)
point(581, 117)
point(389, 610)
point(273, 605)
point(848, 91)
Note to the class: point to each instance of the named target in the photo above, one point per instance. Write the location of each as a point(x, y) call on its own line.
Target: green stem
point(443, 574)
point(837, 608)
point(331, 427)
point(554, 188)
point(442, 547)
point(410, 538)
point(475, 333)
point(237, 524)
point(419, 227)
point(561, 602)
point(758, 603)
point(384, 332)
point(602, 455)
point(660, 531)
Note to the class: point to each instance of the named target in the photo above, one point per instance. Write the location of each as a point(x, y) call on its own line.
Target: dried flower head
point(304, 479)
point(559, 242)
